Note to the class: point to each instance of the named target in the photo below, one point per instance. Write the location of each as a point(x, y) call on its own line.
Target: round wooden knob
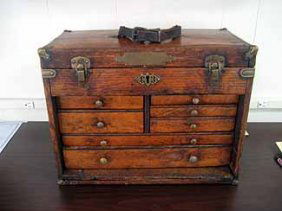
point(195, 100)
point(103, 143)
point(193, 141)
point(193, 126)
point(100, 124)
point(103, 161)
point(99, 103)
point(194, 112)
point(193, 159)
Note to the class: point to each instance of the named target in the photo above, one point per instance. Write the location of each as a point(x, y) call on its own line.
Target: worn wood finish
point(108, 102)
point(147, 158)
point(54, 128)
point(123, 82)
point(145, 130)
point(241, 125)
point(188, 99)
point(106, 141)
point(189, 175)
point(103, 47)
point(203, 124)
point(194, 110)
point(115, 122)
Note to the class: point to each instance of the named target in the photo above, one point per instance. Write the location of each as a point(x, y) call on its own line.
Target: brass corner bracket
point(42, 52)
point(251, 55)
point(214, 65)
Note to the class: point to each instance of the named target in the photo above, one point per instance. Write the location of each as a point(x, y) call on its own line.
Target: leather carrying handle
point(143, 35)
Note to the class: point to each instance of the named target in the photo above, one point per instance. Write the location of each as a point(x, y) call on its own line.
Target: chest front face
point(129, 113)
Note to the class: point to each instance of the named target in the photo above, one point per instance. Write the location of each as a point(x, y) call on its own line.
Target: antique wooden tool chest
point(125, 112)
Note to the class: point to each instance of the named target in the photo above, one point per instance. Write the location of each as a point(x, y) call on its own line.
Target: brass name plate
point(145, 58)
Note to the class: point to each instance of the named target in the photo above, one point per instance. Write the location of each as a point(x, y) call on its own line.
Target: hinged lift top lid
point(104, 49)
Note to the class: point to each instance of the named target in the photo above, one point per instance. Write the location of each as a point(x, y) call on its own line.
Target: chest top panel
point(104, 49)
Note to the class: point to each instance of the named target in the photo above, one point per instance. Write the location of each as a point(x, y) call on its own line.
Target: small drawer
point(106, 141)
point(194, 99)
point(193, 110)
point(101, 122)
point(192, 124)
point(147, 158)
point(100, 102)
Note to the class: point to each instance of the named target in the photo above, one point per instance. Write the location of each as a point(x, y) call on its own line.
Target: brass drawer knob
point(103, 143)
point(193, 126)
point(193, 159)
point(100, 124)
point(195, 100)
point(194, 112)
point(103, 161)
point(99, 103)
point(193, 141)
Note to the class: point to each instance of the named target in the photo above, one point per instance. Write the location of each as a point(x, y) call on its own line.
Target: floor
point(28, 180)
point(7, 130)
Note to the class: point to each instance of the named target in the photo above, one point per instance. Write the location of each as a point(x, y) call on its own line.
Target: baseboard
point(34, 109)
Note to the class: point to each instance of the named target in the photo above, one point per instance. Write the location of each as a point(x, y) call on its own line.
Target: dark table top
point(28, 180)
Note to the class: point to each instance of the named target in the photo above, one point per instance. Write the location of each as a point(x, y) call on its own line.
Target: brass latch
point(48, 73)
point(214, 65)
point(81, 67)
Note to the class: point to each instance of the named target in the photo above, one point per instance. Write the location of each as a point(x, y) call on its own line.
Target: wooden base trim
point(211, 175)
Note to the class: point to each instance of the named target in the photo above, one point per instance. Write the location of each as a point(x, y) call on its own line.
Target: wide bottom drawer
point(147, 158)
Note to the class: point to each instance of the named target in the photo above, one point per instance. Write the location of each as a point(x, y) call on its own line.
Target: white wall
point(28, 24)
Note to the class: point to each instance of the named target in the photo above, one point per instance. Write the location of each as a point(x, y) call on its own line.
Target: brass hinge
point(214, 65)
point(48, 73)
point(247, 72)
point(81, 67)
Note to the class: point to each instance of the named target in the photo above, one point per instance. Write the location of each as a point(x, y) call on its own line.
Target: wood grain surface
point(115, 122)
point(114, 81)
point(194, 110)
point(103, 48)
point(188, 99)
point(105, 141)
point(147, 158)
point(203, 124)
point(108, 102)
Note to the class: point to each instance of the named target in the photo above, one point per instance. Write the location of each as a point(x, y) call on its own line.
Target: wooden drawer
point(100, 102)
point(194, 99)
point(147, 158)
point(193, 110)
point(192, 124)
point(147, 140)
point(101, 122)
point(115, 81)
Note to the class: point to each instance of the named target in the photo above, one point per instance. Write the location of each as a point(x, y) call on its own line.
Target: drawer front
point(101, 122)
point(149, 140)
point(187, 111)
point(147, 158)
point(194, 99)
point(193, 124)
point(100, 102)
point(125, 82)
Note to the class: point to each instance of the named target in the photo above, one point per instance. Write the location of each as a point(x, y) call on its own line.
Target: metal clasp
point(81, 66)
point(214, 65)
